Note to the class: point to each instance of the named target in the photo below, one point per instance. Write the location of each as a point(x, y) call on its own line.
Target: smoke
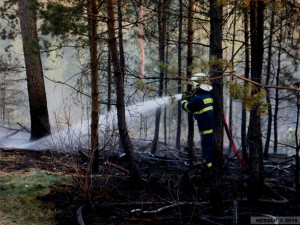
point(76, 137)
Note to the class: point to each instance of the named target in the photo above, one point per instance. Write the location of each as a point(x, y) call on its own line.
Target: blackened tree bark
point(268, 75)
point(276, 108)
point(109, 81)
point(142, 51)
point(93, 24)
point(119, 80)
point(121, 46)
point(247, 70)
point(179, 117)
point(166, 86)
point(297, 140)
point(40, 125)
point(216, 70)
point(256, 180)
point(161, 50)
point(232, 64)
point(120, 34)
point(190, 38)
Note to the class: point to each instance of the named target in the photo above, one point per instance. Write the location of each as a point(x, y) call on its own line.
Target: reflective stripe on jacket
point(201, 106)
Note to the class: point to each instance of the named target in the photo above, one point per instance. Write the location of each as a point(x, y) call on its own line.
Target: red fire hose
point(233, 145)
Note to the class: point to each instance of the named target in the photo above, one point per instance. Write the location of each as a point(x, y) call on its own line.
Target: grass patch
point(19, 192)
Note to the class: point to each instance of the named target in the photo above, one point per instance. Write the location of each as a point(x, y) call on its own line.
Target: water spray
point(77, 135)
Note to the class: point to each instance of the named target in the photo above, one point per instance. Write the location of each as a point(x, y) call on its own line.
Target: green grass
point(19, 192)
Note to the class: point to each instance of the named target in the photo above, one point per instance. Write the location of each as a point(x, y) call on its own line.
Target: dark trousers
point(207, 147)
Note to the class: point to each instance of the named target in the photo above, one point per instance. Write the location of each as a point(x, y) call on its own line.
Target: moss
point(19, 196)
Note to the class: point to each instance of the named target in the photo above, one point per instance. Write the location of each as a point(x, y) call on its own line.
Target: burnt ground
point(171, 192)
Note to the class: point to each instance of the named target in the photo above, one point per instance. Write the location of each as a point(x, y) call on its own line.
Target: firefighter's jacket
point(201, 106)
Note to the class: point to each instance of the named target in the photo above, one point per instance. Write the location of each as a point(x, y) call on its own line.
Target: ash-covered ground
point(170, 192)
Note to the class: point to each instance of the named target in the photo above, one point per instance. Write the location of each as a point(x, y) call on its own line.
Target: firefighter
point(200, 104)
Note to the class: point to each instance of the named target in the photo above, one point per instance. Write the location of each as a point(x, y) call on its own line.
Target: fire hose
point(237, 154)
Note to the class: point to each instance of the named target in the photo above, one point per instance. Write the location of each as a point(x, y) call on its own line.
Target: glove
point(187, 95)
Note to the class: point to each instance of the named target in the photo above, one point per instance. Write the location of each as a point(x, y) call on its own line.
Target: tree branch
point(265, 86)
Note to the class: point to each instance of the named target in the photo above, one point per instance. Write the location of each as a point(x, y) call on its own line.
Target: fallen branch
point(116, 166)
point(131, 203)
point(12, 134)
point(79, 216)
point(165, 148)
point(283, 187)
point(282, 200)
point(24, 127)
point(175, 204)
point(281, 163)
point(15, 130)
point(156, 158)
point(164, 159)
point(210, 221)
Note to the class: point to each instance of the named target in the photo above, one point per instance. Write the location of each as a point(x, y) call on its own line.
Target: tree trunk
point(3, 99)
point(40, 125)
point(142, 51)
point(216, 21)
point(276, 109)
point(143, 124)
point(269, 129)
point(178, 133)
point(256, 180)
point(161, 49)
point(232, 64)
point(190, 38)
point(93, 24)
point(247, 70)
point(120, 34)
point(123, 131)
point(109, 82)
point(121, 46)
point(297, 141)
point(166, 93)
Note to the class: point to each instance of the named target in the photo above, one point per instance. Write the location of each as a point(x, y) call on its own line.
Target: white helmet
point(201, 80)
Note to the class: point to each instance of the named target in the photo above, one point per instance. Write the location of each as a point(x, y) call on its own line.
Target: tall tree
point(92, 10)
point(190, 38)
point(142, 51)
point(247, 70)
point(256, 180)
point(166, 85)
point(277, 78)
point(40, 125)
point(161, 50)
point(297, 139)
point(179, 119)
point(109, 81)
point(216, 70)
point(142, 66)
point(268, 75)
point(120, 35)
point(231, 111)
point(119, 81)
